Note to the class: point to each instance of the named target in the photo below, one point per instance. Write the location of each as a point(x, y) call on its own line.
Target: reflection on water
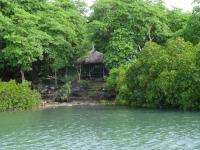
point(100, 128)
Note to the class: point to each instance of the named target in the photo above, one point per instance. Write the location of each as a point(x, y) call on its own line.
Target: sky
point(186, 5)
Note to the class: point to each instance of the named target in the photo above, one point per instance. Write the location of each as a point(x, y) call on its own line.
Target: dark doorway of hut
point(91, 66)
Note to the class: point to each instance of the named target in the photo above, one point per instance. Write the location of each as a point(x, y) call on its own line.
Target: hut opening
point(91, 66)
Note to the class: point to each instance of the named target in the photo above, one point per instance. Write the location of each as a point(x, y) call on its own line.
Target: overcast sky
point(186, 5)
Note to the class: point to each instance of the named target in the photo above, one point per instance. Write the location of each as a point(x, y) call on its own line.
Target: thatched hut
point(91, 66)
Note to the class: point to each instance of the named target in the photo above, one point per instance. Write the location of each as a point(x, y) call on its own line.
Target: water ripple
point(99, 128)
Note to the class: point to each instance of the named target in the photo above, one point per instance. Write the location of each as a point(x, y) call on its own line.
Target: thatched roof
point(92, 57)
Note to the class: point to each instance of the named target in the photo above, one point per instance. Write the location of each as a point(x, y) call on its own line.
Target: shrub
point(165, 77)
point(116, 81)
point(84, 84)
point(65, 91)
point(15, 96)
point(111, 80)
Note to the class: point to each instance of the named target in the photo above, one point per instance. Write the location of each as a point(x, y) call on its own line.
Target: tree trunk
point(139, 48)
point(149, 34)
point(22, 75)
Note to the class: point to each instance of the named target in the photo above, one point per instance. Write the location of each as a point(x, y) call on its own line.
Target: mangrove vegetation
point(151, 53)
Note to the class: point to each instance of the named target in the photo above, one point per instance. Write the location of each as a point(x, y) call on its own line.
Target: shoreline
point(50, 105)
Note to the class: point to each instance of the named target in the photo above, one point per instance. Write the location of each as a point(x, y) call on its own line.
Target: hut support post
point(79, 72)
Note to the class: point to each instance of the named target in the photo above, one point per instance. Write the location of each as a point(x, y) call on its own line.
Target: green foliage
point(192, 29)
point(36, 31)
point(162, 76)
point(121, 28)
point(66, 91)
point(84, 84)
point(116, 81)
point(177, 20)
point(53, 34)
point(111, 80)
point(67, 29)
point(22, 37)
point(165, 76)
point(121, 48)
point(15, 96)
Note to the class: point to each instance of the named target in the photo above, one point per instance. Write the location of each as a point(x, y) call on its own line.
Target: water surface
point(99, 128)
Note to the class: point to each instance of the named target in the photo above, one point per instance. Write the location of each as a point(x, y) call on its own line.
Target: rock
point(44, 91)
point(76, 91)
point(52, 88)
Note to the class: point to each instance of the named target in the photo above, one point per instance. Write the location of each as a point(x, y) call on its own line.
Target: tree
point(23, 39)
point(192, 30)
point(177, 20)
point(53, 32)
point(67, 29)
point(121, 48)
point(111, 17)
point(165, 77)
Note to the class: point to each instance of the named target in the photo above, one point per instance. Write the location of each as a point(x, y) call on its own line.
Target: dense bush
point(116, 81)
point(162, 76)
point(15, 96)
point(84, 84)
point(191, 32)
point(65, 91)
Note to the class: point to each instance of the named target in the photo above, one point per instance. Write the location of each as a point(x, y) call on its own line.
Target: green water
point(99, 128)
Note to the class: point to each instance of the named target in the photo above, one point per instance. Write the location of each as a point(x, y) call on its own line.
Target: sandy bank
point(69, 104)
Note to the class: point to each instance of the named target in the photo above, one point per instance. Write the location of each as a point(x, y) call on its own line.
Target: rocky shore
point(69, 104)
point(50, 105)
